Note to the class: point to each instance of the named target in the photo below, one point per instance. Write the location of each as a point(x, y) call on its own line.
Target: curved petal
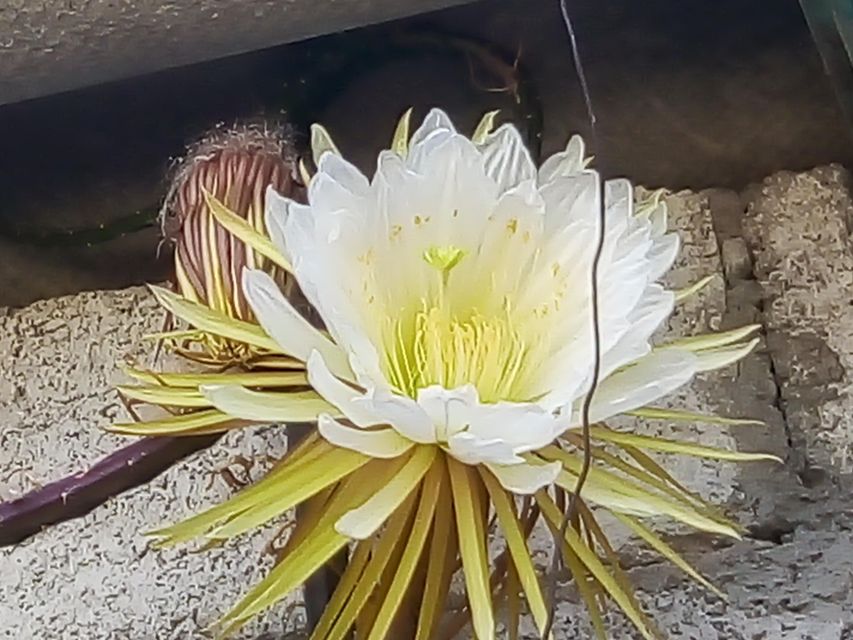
point(662, 255)
point(402, 413)
point(642, 382)
point(654, 308)
point(506, 158)
point(293, 333)
point(526, 478)
point(523, 426)
point(343, 173)
point(382, 443)
point(449, 409)
point(278, 209)
point(470, 449)
point(341, 395)
point(435, 120)
point(520, 426)
point(332, 281)
point(565, 163)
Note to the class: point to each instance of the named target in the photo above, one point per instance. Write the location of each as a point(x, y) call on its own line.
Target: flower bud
point(236, 166)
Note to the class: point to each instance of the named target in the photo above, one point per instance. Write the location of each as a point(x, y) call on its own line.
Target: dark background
point(687, 95)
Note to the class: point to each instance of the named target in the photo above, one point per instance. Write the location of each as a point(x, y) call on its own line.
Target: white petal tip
point(526, 478)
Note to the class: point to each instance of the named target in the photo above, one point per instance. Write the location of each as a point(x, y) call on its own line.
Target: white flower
point(455, 288)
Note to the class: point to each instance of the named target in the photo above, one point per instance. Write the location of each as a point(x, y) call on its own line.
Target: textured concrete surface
point(780, 255)
point(798, 227)
point(59, 366)
point(48, 46)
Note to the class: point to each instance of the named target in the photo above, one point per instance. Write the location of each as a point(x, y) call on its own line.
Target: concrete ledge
point(48, 46)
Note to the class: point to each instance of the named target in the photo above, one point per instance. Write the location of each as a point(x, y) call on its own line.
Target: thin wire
point(596, 331)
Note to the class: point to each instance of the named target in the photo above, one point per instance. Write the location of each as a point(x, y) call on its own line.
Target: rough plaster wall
point(790, 579)
point(798, 228)
point(47, 46)
point(95, 577)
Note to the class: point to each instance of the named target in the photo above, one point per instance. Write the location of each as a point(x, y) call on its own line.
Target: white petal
point(662, 255)
point(341, 395)
point(526, 478)
point(506, 159)
point(266, 406)
point(642, 382)
point(343, 173)
point(278, 209)
point(655, 212)
point(522, 426)
point(439, 156)
point(618, 193)
point(654, 308)
point(402, 413)
point(568, 200)
point(470, 449)
point(329, 281)
point(448, 409)
point(435, 120)
point(565, 163)
point(382, 443)
point(293, 333)
point(333, 206)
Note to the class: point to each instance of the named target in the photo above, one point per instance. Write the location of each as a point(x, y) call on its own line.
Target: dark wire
point(574, 496)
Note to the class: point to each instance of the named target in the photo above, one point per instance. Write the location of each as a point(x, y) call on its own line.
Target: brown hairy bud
point(235, 165)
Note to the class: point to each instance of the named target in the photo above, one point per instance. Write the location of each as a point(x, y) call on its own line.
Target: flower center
point(437, 346)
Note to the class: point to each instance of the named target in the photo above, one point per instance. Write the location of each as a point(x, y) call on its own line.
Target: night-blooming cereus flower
point(454, 288)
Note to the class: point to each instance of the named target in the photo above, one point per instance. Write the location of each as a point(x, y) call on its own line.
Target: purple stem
point(77, 494)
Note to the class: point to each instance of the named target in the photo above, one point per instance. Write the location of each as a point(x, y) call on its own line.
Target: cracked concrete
point(780, 254)
point(797, 226)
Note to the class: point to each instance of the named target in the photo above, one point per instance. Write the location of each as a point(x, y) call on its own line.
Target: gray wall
point(48, 46)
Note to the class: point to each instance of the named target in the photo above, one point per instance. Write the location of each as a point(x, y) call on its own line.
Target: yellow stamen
point(435, 347)
point(435, 343)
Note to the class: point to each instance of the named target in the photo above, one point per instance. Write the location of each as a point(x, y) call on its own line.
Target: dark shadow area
point(686, 94)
